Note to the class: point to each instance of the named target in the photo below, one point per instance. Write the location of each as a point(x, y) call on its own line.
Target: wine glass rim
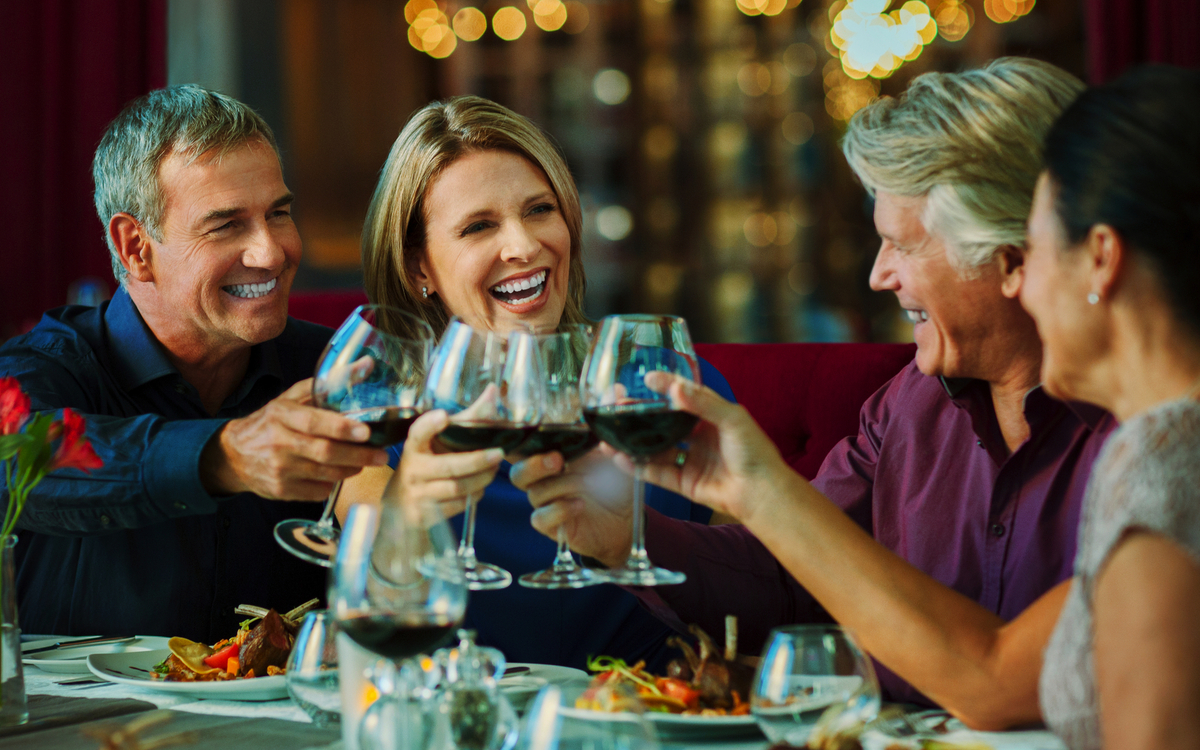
point(644, 318)
point(422, 324)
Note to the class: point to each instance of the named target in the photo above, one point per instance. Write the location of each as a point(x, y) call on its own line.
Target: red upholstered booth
point(806, 396)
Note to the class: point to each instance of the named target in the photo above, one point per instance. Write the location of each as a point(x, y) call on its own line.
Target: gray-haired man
point(190, 381)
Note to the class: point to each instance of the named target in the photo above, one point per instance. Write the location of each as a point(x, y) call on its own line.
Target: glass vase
point(13, 707)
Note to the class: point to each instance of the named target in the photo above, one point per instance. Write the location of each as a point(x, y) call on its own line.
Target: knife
point(84, 642)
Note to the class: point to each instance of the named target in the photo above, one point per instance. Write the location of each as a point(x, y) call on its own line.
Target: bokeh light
point(797, 128)
point(1006, 11)
point(954, 19)
point(429, 28)
point(508, 23)
point(577, 17)
point(470, 24)
point(549, 15)
point(846, 94)
point(800, 59)
point(611, 86)
point(614, 222)
point(874, 42)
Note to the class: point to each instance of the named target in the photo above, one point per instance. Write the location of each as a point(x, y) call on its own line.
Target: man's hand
point(287, 450)
point(588, 497)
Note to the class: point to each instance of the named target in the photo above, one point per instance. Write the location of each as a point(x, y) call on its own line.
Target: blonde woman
point(476, 215)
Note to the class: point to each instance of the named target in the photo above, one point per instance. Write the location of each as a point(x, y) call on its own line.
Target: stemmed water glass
point(810, 675)
point(632, 418)
point(373, 377)
point(491, 386)
point(562, 429)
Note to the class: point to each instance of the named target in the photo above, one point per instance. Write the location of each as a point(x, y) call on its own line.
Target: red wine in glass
point(571, 440)
point(397, 636)
point(640, 430)
point(461, 437)
point(388, 426)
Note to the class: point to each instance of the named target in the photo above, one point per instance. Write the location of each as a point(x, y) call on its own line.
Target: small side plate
point(73, 660)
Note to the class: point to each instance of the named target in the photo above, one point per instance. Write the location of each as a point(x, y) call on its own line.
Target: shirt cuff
point(172, 467)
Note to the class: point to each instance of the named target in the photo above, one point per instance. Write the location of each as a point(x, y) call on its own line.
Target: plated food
point(260, 648)
point(710, 683)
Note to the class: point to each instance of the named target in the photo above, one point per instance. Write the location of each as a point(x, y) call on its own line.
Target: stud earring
point(1093, 298)
point(425, 292)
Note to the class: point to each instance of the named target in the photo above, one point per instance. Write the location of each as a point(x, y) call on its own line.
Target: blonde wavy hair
point(393, 238)
point(971, 143)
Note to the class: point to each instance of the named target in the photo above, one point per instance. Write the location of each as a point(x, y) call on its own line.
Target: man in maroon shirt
point(962, 467)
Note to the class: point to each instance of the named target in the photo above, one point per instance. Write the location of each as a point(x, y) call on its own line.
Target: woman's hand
point(730, 460)
point(588, 498)
point(445, 478)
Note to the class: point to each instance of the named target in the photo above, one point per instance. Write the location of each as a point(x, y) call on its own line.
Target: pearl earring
point(425, 292)
point(1093, 298)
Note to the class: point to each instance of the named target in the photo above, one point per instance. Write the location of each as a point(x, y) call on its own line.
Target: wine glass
point(811, 673)
point(562, 429)
point(548, 725)
point(397, 587)
point(491, 386)
point(312, 669)
point(635, 420)
point(373, 377)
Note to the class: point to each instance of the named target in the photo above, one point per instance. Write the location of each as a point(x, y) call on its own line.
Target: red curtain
point(66, 69)
point(1121, 33)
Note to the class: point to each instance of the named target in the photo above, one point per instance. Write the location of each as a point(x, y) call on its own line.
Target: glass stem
point(466, 548)
point(325, 523)
point(563, 560)
point(638, 559)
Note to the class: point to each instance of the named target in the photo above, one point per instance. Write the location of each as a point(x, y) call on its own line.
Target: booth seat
point(805, 396)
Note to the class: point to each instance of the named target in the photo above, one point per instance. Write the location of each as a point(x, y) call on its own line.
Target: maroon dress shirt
point(930, 477)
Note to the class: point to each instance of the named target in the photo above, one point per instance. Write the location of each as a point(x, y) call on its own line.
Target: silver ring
point(681, 458)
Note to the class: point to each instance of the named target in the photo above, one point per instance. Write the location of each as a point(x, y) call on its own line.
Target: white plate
point(520, 688)
point(74, 660)
point(681, 726)
point(134, 669)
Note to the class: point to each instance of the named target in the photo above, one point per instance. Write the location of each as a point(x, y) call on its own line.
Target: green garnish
point(161, 667)
point(609, 664)
point(246, 623)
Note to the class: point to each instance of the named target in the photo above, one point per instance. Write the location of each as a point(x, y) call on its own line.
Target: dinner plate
point(74, 659)
point(680, 726)
point(134, 669)
point(520, 688)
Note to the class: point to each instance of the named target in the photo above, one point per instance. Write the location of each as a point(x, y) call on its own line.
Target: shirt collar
point(1038, 403)
point(139, 358)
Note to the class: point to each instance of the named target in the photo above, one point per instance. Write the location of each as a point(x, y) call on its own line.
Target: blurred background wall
point(703, 134)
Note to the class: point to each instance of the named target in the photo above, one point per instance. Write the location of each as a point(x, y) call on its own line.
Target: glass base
point(308, 541)
point(560, 578)
point(486, 577)
point(638, 576)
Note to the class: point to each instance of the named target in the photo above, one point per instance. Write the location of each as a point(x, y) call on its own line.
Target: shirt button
point(227, 522)
point(104, 521)
point(180, 506)
point(997, 529)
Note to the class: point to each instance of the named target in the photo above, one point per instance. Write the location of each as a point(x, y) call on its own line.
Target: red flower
point(74, 452)
point(14, 407)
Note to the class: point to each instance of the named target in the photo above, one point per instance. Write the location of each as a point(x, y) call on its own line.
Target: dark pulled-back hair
point(1127, 154)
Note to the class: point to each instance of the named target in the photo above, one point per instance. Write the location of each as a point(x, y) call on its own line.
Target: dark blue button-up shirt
point(139, 546)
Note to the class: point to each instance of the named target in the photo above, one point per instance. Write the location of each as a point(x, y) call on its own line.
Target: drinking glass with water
point(312, 669)
point(806, 672)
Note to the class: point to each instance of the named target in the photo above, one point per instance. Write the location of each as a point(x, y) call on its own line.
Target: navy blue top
point(562, 627)
point(139, 546)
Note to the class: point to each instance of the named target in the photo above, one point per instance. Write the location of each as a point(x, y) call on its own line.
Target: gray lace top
point(1146, 477)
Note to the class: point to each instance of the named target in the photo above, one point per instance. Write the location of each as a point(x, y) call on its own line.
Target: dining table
point(72, 711)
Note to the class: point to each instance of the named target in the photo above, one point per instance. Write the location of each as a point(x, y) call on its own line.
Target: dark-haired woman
point(1110, 280)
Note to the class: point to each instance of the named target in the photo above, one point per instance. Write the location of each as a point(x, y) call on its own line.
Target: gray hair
point(189, 120)
point(971, 144)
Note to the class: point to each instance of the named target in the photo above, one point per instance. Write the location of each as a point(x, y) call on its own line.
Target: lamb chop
point(714, 674)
